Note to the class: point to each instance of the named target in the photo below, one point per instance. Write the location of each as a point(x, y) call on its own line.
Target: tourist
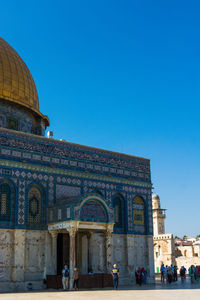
point(115, 274)
point(197, 272)
point(162, 270)
point(139, 276)
point(144, 275)
point(165, 273)
point(65, 277)
point(75, 279)
point(169, 275)
point(196, 276)
point(175, 273)
point(182, 273)
point(192, 273)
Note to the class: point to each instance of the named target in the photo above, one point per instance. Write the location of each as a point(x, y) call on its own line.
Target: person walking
point(182, 273)
point(65, 277)
point(115, 274)
point(75, 279)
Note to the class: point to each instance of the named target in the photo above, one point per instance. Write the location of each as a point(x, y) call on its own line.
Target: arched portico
point(79, 235)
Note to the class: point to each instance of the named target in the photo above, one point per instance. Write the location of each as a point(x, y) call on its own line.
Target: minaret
point(158, 216)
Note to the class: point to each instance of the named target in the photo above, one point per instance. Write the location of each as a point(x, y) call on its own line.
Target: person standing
point(169, 275)
point(175, 273)
point(162, 270)
point(182, 273)
point(192, 273)
point(165, 273)
point(115, 274)
point(65, 277)
point(75, 279)
point(139, 276)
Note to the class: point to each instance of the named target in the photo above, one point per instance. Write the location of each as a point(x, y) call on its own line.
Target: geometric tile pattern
point(51, 189)
point(21, 202)
point(67, 170)
point(72, 156)
point(130, 218)
point(64, 191)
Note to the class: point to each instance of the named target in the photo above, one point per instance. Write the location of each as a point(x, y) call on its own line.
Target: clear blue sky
point(121, 75)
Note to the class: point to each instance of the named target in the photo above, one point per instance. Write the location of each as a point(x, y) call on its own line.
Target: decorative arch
point(119, 211)
point(7, 197)
point(139, 214)
point(96, 191)
point(93, 211)
point(35, 208)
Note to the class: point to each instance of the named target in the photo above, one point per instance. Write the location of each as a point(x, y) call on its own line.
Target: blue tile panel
point(66, 173)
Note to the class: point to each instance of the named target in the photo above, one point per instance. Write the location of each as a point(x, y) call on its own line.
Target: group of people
point(194, 273)
point(168, 273)
point(65, 278)
point(140, 275)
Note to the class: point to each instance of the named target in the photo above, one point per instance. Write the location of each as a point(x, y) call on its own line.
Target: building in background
point(62, 202)
point(169, 250)
point(163, 243)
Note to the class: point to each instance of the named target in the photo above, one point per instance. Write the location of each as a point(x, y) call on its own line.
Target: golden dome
point(16, 82)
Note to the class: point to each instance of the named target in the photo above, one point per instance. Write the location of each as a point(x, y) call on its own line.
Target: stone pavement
point(155, 292)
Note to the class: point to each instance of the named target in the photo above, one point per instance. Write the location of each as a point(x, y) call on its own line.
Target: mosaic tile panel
point(64, 191)
point(21, 202)
point(51, 189)
point(81, 156)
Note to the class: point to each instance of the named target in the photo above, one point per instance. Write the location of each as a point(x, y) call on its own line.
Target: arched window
point(5, 202)
point(35, 196)
point(139, 214)
point(118, 205)
point(93, 211)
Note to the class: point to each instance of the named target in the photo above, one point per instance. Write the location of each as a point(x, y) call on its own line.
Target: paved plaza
point(156, 292)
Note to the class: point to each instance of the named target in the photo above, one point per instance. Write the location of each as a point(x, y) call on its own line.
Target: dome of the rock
point(16, 82)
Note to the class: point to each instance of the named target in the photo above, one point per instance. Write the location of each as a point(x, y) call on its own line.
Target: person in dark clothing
point(169, 275)
point(182, 273)
point(175, 273)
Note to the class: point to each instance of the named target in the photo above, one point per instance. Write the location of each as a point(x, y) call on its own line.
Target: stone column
point(90, 259)
point(84, 254)
point(150, 259)
point(54, 235)
point(48, 255)
point(72, 254)
point(131, 257)
point(19, 255)
point(108, 251)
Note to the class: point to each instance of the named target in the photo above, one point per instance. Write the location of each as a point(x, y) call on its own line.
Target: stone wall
point(22, 259)
point(187, 256)
point(187, 262)
point(128, 252)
